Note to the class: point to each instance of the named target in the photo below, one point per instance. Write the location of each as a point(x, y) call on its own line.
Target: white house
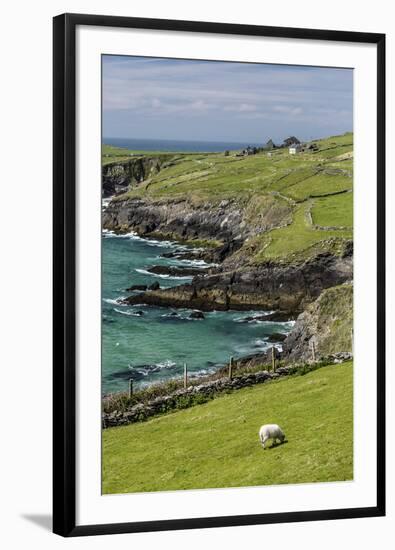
point(295, 148)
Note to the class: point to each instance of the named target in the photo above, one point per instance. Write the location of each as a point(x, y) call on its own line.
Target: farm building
point(295, 148)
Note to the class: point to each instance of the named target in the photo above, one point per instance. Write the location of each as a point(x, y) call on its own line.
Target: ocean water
point(174, 145)
point(155, 345)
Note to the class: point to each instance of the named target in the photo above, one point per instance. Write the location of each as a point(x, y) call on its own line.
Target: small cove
point(150, 344)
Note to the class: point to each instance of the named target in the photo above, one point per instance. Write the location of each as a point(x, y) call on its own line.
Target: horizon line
point(221, 141)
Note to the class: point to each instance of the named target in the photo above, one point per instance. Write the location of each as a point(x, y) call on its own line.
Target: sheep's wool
point(270, 431)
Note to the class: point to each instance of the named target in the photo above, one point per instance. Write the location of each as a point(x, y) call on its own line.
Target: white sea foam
point(105, 203)
point(110, 233)
point(128, 313)
point(202, 372)
point(162, 276)
point(266, 345)
point(167, 364)
point(142, 371)
point(171, 316)
point(154, 242)
point(244, 349)
point(253, 318)
point(262, 342)
point(114, 302)
point(164, 244)
point(197, 263)
point(146, 370)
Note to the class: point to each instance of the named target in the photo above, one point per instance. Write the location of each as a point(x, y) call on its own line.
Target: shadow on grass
point(275, 445)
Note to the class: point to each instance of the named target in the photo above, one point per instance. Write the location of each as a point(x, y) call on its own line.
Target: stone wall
point(184, 398)
point(200, 393)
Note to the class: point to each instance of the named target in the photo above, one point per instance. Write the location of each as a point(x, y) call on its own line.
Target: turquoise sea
point(149, 344)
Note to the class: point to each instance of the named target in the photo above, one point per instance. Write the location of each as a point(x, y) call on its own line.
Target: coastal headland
point(276, 229)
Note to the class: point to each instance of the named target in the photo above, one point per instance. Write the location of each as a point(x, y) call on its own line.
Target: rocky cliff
point(256, 218)
point(327, 322)
point(237, 282)
point(120, 176)
point(226, 220)
point(283, 288)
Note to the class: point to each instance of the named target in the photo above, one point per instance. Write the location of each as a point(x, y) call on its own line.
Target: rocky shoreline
point(286, 288)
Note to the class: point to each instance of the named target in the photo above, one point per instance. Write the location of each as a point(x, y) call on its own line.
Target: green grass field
point(297, 192)
point(336, 210)
point(210, 176)
point(216, 444)
point(296, 237)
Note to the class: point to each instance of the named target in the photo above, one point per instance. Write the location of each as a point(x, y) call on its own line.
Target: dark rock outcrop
point(178, 219)
point(176, 271)
point(227, 222)
point(154, 286)
point(197, 315)
point(288, 288)
point(117, 177)
point(277, 337)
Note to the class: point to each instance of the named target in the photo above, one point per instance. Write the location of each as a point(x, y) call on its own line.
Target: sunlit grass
point(216, 444)
point(333, 211)
point(297, 236)
point(258, 185)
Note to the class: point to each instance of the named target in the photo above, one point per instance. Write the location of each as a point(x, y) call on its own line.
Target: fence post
point(273, 359)
point(130, 387)
point(231, 362)
point(185, 375)
point(352, 342)
point(313, 350)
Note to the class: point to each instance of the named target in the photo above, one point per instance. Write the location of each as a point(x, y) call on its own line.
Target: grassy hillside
point(298, 177)
point(309, 194)
point(216, 444)
point(298, 237)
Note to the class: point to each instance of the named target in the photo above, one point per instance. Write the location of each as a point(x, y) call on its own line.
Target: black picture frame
point(64, 273)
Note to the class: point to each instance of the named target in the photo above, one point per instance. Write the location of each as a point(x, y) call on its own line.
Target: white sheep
point(271, 431)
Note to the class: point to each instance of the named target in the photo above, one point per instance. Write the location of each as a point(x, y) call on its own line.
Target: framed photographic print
point(218, 275)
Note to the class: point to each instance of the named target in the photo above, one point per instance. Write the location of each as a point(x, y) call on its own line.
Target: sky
point(175, 99)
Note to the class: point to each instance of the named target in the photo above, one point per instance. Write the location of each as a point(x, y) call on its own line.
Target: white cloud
point(287, 109)
point(241, 108)
point(160, 89)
